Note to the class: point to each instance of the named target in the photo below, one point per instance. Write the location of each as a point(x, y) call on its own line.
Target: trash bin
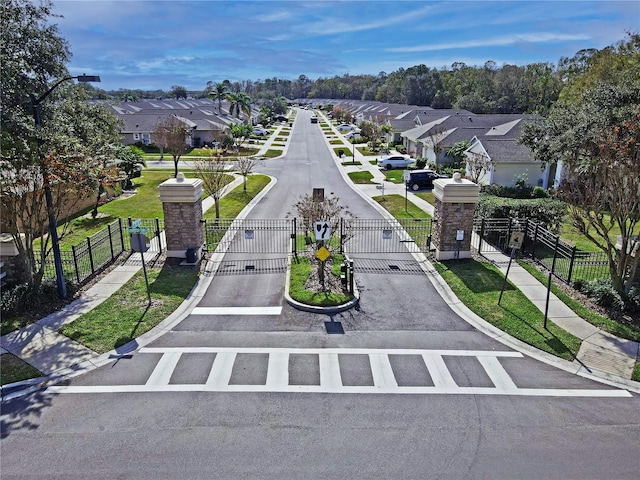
point(192, 255)
point(340, 153)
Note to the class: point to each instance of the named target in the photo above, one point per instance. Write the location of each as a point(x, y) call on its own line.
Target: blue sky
point(157, 44)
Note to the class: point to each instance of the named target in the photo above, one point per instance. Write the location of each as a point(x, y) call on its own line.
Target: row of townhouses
point(425, 132)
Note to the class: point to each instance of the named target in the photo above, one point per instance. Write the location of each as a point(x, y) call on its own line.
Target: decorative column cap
point(180, 189)
point(456, 190)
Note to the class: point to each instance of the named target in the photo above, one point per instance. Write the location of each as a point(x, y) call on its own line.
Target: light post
point(53, 226)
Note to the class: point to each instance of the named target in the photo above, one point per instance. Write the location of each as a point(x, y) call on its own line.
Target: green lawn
point(478, 286)
point(361, 177)
point(300, 271)
point(233, 203)
point(395, 204)
point(12, 369)
point(126, 314)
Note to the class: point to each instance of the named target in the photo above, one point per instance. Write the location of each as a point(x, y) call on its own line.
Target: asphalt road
point(248, 387)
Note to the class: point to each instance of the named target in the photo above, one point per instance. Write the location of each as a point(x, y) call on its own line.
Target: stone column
point(456, 200)
point(182, 205)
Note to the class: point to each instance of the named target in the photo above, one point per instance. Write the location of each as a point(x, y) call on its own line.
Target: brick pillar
point(182, 205)
point(456, 200)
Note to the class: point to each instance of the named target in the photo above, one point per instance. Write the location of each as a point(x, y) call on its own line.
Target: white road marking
point(164, 369)
point(278, 370)
point(330, 376)
point(497, 373)
point(236, 311)
point(438, 370)
point(221, 369)
point(384, 380)
point(382, 372)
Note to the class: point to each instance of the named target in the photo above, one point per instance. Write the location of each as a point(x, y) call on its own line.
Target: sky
point(156, 44)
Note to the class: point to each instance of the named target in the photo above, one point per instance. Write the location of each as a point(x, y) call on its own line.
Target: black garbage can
point(192, 255)
point(340, 153)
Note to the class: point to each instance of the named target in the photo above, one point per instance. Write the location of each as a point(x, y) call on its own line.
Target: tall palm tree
point(219, 93)
point(239, 102)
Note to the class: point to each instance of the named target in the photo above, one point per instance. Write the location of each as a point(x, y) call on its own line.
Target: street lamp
point(53, 226)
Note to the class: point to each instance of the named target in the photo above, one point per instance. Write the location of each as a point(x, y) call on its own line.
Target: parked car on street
point(422, 179)
point(395, 161)
point(260, 131)
point(314, 119)
point(345, 127)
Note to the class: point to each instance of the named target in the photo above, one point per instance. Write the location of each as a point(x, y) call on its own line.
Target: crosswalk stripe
point(278, 369)
point(164, 369)
point(221, 369)
point(497, 374)
point(236, 311)
point(438, 370)
point(330, 376)
point(383, 376)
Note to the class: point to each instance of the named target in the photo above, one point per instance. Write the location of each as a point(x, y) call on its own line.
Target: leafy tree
point(179, 92)
point(130, 162)
point(594, 131)
point(279, 105)
point(597, 140)
point(66, 155)
point(239, 132)
point(457, 151)
point(265, 114)
point(174, 134)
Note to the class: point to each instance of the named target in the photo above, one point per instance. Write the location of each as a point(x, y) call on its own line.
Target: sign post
point(515, 242)
point(405, 178)
point(140, 243)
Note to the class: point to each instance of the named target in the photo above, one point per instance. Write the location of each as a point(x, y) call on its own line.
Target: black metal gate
point(285, 236)
point(272, 235)
point(385, 236)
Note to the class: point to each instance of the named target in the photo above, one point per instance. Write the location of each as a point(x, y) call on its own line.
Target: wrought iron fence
point(545, 247)
point(97, 251)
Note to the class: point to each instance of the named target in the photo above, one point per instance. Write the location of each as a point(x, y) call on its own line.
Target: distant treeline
point(532, 88)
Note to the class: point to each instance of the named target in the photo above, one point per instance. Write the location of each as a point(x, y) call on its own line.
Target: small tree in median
point(244, 165)
point(329, 210)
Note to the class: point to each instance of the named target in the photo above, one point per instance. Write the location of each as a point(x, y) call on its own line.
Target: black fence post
point(341, 237)
point(509, 228)
point(75, 263)
point(294, 243)
point(535, 241)
point(90, 255)
point(110, 240)
point(481, 236)
point(573, 258)
point(121, 235)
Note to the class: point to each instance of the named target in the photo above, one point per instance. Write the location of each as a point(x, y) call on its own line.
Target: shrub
point(548, 212)
point(603, 294)
point(421, 162)
point(539, 192)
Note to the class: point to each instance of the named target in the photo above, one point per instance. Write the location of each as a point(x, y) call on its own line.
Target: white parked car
point(395, 161)
point(353, 134)
point(260, 131)
point(345, 127)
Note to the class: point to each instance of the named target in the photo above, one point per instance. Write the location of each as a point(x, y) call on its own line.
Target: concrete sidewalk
point(601, 355)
